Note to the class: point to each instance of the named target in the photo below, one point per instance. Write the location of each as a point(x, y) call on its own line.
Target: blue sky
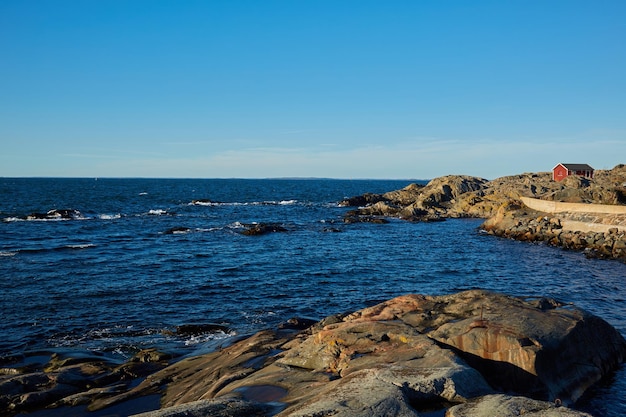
point(343, 89)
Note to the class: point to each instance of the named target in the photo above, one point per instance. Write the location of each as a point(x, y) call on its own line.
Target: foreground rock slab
point(223, 407)
point(408, 356)
point(508, 406)
point(539, 347)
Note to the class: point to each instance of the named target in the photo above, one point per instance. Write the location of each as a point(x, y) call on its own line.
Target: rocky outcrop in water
point(55, 214)
point(410, 355)
point(257, 229)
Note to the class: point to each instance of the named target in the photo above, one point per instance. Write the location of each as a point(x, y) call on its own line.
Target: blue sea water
point(142, 256)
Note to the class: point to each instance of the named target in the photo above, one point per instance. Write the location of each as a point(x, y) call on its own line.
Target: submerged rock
point(200, 328)
point(177, 230)
point(262, 229)
point(55, 214)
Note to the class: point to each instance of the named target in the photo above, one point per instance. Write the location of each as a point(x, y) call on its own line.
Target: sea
point(130, 260)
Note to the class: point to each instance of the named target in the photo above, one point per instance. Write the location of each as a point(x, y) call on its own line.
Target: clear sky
point(294, 88)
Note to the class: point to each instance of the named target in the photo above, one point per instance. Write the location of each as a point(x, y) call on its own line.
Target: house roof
point(576, 167)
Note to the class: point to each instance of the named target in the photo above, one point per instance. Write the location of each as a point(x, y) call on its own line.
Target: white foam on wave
point(12, 219)
point(157, 212)
point(273, 203)
point(81, 246)
point(50, 219)
point(236, 225)
point(206, 202)
point(208, 337)
point(232, 203)
point(7, 253)
point(219, 204)
point(55, 216)
point(109, 216)
point(239, 203)
point(210, 229)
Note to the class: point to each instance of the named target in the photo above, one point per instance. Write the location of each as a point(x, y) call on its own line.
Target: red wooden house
point(562, 171)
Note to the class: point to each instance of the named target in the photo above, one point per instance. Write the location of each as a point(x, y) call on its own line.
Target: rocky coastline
point(469, 354)
point(500, 203)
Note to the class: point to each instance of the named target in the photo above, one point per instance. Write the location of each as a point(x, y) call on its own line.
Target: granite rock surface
point(407, 356)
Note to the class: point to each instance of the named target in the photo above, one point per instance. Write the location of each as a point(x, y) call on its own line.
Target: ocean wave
point(274, 203)
point(236, 225)
point(208, 337)
point(109, 216)
point(210, 229)
point(56, 214)
point(181, 230)
point(70, 247)
point(79, 246)
point(51, 215)
point(122, 340)
point(287, 202)
point(43, 217)
point(209, 203)
point(204, 202)
point(46, 220)
point(7, 253)
point(157, 212)
point(12, 219)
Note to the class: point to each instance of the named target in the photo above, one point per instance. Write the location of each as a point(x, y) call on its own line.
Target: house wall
point(588, 174)
point(559, 173)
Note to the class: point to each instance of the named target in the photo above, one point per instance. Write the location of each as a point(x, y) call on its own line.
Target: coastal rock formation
point(521, 224)
point(537, 347)
point(412, 354)
point(466, 196)
point(409, 355)
point(499, 201)
point(221, 407)
point(66, 381)
point(416, 202)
